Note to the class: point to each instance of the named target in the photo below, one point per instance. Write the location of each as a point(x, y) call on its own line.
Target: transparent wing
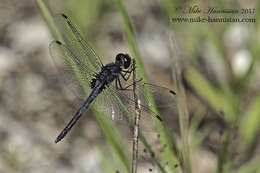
point(164, 97)
point(75, 41)
point(70, 67)
point(107, 103)
point(119, 105)
point(75, 76)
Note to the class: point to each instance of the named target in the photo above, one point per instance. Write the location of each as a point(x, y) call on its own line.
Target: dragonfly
point(109, 86)
point(104, 81)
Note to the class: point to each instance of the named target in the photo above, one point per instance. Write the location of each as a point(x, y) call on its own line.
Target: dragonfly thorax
point(106, 76)
point(111, 71)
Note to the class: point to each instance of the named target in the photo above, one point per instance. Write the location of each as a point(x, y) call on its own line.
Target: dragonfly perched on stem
point(109, 85)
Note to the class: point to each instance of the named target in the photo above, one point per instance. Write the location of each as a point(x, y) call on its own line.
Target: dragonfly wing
point(165, 102)
point(105, 102)
point(74, 90)
point(164, 97)
point(148, 108)
point(119, 108)
point(70, 67)
point(77, 43)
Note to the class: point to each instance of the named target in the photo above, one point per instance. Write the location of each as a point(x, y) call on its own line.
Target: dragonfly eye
point(127, 61)
point(123, 60)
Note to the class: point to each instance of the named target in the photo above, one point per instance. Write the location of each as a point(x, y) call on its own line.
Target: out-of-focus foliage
point(213, 66)
point(222, 74)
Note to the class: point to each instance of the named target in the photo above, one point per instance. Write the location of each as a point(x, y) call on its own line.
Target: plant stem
point(136, 123)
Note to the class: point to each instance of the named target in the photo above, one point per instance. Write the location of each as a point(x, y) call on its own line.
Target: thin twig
point(136, 123)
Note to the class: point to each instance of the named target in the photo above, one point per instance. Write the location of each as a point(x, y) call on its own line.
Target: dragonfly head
point(123, 60)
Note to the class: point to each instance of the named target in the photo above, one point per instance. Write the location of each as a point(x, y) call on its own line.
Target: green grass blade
point(132, 43)
point(113, 136)
point(130, 38)
point(249, 125)
point(182, 108)
point(223, 155)
point(47, 16)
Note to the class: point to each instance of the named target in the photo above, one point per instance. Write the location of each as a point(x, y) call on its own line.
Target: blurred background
point(213, 67)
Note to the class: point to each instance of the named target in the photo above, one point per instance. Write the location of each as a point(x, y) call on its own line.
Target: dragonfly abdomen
point(96, 90)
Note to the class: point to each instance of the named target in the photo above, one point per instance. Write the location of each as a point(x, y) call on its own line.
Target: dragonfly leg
point(129, 70)
point(127, 73)
point(120, 87)
point(125, 77)
point(117, 87)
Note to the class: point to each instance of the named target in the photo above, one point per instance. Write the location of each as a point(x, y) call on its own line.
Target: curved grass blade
point(132, 43)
